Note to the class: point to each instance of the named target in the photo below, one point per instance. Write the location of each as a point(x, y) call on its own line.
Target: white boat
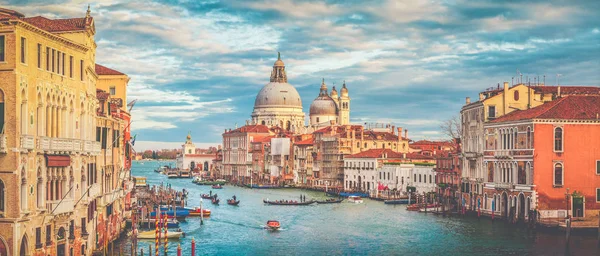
point(355, 199)
point(197, 179)
point(152, 235)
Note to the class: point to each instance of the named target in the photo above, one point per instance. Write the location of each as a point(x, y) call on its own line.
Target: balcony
point(43, 143)
point(3, 148)
point(58, 207)
point(94, 191)
point(503, 186)
point(27, 142)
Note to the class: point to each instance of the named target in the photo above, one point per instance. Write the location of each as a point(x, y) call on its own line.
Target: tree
point(451, 128)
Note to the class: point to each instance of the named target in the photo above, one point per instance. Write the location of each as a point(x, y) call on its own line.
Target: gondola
point(328, 201)
point(233, 202)
point(216, 201)
point(288, 202)
point(206, 196)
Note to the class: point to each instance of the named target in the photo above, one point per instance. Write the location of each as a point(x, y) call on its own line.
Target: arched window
point(529, 144)
point(558, 139)
point(40, 190)
point(516, 95)
point(558, 174)
point(23, 112)
point(419, 177)
point(3, 247)
point(263, 122)
point(358, 144)
point(23, 190)
point(24, 250)
point(317, 120)
point(2, 197)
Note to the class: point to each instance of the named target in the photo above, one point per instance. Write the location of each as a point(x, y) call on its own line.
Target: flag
point(133, 140)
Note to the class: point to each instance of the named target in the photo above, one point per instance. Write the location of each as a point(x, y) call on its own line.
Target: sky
point(196, 66)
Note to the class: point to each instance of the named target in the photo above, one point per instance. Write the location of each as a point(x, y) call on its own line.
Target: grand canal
point(345, 229)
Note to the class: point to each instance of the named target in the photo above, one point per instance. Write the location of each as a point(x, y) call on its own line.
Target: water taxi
point(172, 174)
point(273, 225)
point(355, 199)
point(140, 182)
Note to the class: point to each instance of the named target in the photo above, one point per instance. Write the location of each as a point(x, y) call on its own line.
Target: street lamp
point(567, 198)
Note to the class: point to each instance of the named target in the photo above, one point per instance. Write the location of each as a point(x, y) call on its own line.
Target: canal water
point(371, 228)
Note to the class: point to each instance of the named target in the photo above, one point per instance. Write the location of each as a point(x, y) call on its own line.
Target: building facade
point(533, 157)
point(56, 186)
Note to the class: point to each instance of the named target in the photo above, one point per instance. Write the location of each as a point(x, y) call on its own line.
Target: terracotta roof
point(568, 90)
point(262, 139)
point(257, 128)
point(305, 142)
point(59, 25)
point(102, 70)
point(573, 107)
point(378, 153)
point(210, 155)
point(429, 142)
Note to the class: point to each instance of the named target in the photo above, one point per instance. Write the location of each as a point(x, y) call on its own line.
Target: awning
point(58, 160)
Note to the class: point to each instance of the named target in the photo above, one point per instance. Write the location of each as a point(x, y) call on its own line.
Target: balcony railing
point(94, 191)
point(3, 148)
point(27, 142)
point(58, 207)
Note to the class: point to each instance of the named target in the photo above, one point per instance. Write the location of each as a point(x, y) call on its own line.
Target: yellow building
point(49, 174)
point(115, 83)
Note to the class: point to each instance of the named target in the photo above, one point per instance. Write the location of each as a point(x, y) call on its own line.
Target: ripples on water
point(371, 228)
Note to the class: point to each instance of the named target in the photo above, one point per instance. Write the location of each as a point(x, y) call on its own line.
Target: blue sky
point(197, 66)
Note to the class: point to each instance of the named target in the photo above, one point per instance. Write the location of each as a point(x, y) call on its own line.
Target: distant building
point(194, 159)
point(366, 170)
point(237, 147)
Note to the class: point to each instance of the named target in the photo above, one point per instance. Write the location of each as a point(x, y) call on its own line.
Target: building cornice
point(48, 34)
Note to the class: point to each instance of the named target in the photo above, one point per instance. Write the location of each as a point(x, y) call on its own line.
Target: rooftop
point(574, 107)
point(378, 153)
point(102, 70)
point(255, 128)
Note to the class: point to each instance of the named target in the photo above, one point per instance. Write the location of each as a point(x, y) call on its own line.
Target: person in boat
point(234, 198)
point(211, 193)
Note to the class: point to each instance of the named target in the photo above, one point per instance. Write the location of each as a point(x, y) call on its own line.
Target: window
point(598, 195)
point(516, 95)
point(63, 63)
point(58, 54)
point(53, 58)
point(81, 69)
point(380, 175)
point(116, 136)
point(39, 55)
point(419, 177)
point(47, 58)
point(317, 120)
point(558, 139)
point(23, 50)
point(72, 229)
point(98, 134)
point(71, 66)
point(1, 196)
point(597, 166)
point(104, 137)
point(2, 59)
point(491, 111)
point(558, 174)
point(1, 112)
point(48, 235)
point(38, 238)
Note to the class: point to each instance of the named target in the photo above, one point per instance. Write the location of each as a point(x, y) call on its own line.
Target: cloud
point(197, 65)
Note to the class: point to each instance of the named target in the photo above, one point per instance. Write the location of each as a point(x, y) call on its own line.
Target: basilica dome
point(278, 95)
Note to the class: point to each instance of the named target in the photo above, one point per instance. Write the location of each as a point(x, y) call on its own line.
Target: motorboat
point(273, 225)
point(197, 179)
point(355, 199)
point(184, 173)
point(218, 186)
point(197, 212)
point(233, 202)
point(287, 202)
point(330, 201)
point(152, 234)
point(172, 174)
point(171, 223)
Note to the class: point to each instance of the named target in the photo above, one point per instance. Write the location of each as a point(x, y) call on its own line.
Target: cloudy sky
point(197, 66)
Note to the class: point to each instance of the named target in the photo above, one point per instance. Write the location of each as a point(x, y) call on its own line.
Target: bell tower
point(344, 106)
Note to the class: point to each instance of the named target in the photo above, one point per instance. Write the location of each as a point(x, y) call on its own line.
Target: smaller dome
point(278, 62)
point(344, 90)
point(334, 93)
point(323, 105)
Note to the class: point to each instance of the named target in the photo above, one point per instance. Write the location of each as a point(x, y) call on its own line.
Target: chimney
point(247, 122)
point(481, 97)
point(505, 86)
point(399, 132)
point(468, 100)
point(406, 134)
point(559, 91)
point(393, 129)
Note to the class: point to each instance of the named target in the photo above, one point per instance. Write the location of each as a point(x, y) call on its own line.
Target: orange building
point(545, 158)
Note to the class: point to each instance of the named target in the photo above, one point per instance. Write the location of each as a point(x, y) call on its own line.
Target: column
point(54, 126)
point(48, 132)
point(59, 119)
